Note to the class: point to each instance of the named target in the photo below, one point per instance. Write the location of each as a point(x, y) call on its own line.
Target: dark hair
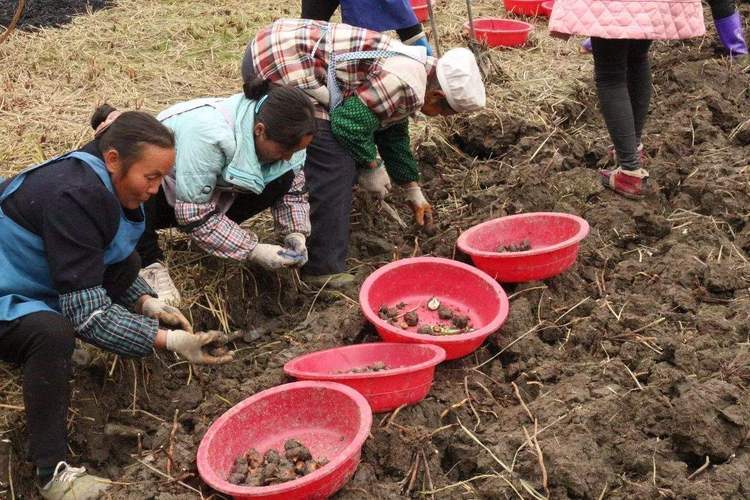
point(287, 113)
point(129, 133)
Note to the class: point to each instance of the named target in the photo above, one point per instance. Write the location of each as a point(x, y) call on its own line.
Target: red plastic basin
point(420, 10)
point(331, 419)
point(554, 239)
point(498, 32)
point(546, 8)
point(523, 7)
point(414, 281)
point(407, 381)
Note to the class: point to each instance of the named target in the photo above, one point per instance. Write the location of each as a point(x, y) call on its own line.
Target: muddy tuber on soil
point(252, 469)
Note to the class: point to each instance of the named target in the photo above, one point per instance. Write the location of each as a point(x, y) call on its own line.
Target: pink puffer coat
point(634, 19)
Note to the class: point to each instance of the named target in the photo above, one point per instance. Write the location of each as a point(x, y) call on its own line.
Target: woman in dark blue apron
point(375, 15)
point(68, 231)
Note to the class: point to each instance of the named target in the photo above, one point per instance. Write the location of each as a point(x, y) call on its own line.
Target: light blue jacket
point(216, 148)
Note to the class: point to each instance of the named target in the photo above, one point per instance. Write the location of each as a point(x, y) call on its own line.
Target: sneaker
point(628, 183)
point(157, 277)
point(73, 483)
point(337, 281)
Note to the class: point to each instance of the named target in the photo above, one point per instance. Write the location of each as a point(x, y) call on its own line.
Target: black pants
point(721, 8)
point(623, 83)
point(160, 214)
point(42, 343)
point(330, 172)
point(322, 10)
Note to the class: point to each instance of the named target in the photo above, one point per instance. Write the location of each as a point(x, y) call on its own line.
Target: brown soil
point(46, 13)
point(622, 376)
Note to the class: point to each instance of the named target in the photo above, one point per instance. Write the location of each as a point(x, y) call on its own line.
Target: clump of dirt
point(515, 247)
point(252, 469)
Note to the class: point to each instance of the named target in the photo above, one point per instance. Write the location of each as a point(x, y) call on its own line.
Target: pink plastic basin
point(457, 285)
point(554, 239)
point(546, 8)
point(420, 10)
point(331, 419)
point(523, 7)
point(407, 381)
point(498, 32)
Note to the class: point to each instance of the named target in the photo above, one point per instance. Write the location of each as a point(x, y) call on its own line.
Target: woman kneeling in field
point(68, 232)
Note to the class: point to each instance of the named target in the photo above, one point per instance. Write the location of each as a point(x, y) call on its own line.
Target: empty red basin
point(420, 10)
point(499, 32)
point(523, 7)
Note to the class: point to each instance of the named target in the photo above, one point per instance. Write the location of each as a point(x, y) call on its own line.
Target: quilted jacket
point(632, 19)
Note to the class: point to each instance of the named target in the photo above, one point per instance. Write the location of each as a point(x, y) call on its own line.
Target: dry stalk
point(520, 400)
point(10, 473)
point(533, 441)
point(460, 483)
point(517, 339)
point(13, 22)
point(471, 405)
point(170, 448)
point(170, 478)
point(393, 415)
point(700, 469)
point(630, 372)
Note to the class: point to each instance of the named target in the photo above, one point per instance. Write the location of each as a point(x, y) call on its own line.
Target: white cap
point(459, 78)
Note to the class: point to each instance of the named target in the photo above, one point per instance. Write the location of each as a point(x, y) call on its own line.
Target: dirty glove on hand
point(165, 314)
point(272, 257)
point(190, 346)
point(375, 181)
point(419, 204)
point(296, 242)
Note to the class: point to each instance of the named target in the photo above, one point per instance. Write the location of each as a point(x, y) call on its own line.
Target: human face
point(141, 181)
point(269, 151)
point(435, 104)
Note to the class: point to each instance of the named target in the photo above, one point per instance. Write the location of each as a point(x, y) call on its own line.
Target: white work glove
point(375, 181)
point(296, 243)
point(190, 346)
point(165, 314)
point(419, 204)
point(272, 257)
